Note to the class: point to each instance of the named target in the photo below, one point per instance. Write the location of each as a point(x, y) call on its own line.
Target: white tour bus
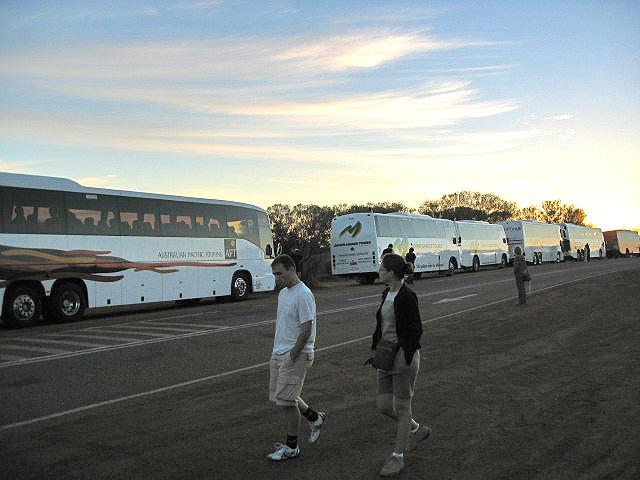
point(622, 242)
point(358, 239)
point(539, 241)
point(65, 248)
point(481, 243)
point(575, 237)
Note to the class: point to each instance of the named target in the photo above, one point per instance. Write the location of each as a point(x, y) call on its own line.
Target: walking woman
point(400, 328)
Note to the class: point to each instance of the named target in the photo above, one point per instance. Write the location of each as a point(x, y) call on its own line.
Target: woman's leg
point(405, 422)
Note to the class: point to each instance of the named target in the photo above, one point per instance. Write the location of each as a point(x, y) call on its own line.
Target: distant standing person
point(292, 357)
point(410, 257)
point(389, 249)
point(398, 324)
point(521, 273)
point(587, 252)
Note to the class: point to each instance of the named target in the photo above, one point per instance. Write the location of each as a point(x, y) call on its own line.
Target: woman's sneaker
point(392, 467)
point(283, 452)
point(316, 426)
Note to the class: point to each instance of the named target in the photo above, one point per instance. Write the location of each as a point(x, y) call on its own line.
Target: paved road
point(107, 372)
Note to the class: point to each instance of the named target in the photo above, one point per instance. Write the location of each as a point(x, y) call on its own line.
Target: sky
point(329, 102)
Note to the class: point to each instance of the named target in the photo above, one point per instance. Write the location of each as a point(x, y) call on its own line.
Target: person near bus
point(522, 275)
point(387, 250)
point(410, 257)
point(292, 356)
point(398, 324)
point(587, 252)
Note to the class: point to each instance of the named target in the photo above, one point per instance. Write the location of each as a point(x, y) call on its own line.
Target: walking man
point(522, 275)
point(410, 257)
point(587, 252)
point(389, 249)
point(293, 352)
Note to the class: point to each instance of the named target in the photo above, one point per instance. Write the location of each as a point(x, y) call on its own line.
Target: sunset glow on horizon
point(340, 102)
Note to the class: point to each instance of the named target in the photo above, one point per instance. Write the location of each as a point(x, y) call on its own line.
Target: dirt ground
point(548, 391)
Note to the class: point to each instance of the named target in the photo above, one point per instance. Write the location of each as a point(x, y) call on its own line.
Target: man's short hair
point(285, 260)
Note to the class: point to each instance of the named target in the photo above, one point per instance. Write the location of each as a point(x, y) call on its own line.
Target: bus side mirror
point(279, 249)
point(459, 240)
point(504, 240)
point(454, 240)
point(268, 251)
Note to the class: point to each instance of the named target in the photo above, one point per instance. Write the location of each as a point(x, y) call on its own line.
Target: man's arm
point(303, 336)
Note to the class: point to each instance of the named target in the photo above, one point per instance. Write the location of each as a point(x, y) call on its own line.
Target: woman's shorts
point(286, 378)
point(401, 380)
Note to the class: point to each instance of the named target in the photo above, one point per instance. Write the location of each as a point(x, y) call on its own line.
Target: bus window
point(243, 223)
point(176, 219)
point(215, 221)
point(264, 230)
point(34, 211)
point(138, 217)
point(89, 214)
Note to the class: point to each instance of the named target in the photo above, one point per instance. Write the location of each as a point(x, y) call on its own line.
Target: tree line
point(307, 227)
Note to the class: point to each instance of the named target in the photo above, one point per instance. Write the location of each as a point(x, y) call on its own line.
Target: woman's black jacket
point(408, 323)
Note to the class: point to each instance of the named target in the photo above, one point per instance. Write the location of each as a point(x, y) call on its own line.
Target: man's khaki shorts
point(286, 378)
point(400, 381)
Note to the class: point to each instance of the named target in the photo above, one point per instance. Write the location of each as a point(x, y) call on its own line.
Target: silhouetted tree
point(469, 205)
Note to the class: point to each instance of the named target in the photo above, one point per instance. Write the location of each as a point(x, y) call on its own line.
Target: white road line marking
point(178, 324)
point(61, 342)
point(35, 349)
point(259, 365)
point(131, 332)
point(155, 328)
point(98, 337)
point(455, 299)
point(6, 357)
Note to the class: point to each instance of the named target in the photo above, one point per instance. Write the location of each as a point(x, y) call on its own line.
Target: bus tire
point(476, 264)
point(451, 269)
point(22, 307)
point(67, 302)
point(503, 261)
point(417, 275)
point(240, 288)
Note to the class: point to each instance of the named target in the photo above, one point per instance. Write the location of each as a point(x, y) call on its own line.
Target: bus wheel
point(452, 267)
point(22, 308)
point(67, 302)
point(503, 261)
point(476, 264)
point(239, 286)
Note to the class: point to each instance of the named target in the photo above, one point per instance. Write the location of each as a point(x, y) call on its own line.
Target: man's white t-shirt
point(296, 306)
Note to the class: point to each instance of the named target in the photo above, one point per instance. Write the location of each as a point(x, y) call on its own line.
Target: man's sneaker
point(283, 452)
point(393, 466)
point(416, 437)
point(316, 426)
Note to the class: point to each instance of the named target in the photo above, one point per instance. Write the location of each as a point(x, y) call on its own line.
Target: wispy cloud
point(559, 118)
point(103, 181)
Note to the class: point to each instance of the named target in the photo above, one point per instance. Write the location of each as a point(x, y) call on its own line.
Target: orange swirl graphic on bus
point(48, 264)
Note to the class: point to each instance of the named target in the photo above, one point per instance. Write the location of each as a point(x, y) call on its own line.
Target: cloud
point(360, 51)
point(98, 182)
point(559, 118)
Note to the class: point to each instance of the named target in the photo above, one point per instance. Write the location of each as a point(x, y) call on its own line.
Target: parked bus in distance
point(622, 242)
point(540, 242)
point(481, 243)
point(65, 248)
point(575, 237)
point(358, 239)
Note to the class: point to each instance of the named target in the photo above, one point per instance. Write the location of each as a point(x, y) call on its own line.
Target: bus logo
point(352, 229)
point(230, 250)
